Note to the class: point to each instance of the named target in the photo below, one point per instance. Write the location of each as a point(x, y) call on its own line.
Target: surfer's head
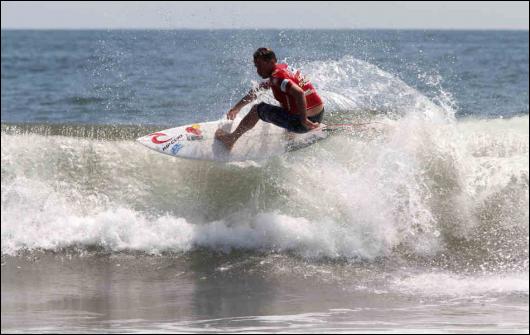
point(265, 61)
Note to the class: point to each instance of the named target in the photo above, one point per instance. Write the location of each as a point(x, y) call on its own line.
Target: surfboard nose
point(146, 141)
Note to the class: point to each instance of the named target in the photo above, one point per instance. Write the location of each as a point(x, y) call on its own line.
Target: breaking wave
point(424, 186)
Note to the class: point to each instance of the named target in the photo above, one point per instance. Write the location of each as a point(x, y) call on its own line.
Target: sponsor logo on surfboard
point(155, 140)
point(173, 140)
point(176, 148)
point(195, 132)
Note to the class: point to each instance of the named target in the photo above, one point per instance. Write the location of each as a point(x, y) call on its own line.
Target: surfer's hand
point(309, 124)
point(232, 113)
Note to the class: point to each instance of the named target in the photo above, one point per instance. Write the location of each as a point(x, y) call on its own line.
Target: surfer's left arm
point(301, 105)
point(248, 98)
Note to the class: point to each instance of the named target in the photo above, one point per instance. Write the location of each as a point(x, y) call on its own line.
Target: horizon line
point(269, 29)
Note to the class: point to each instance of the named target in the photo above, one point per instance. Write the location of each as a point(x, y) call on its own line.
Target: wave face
point(420, 186)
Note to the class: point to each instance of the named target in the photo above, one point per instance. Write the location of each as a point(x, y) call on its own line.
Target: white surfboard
point(196, 141)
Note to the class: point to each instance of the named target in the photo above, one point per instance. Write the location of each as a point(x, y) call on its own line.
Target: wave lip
point(91, 131)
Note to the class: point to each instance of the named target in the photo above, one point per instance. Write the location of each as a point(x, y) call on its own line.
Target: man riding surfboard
point(301, 108)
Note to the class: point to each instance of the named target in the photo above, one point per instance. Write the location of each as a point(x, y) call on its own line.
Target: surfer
point(300, 110)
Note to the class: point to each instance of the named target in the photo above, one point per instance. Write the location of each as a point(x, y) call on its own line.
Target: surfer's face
point(264, 67)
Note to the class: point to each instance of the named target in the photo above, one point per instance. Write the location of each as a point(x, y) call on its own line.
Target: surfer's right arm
point(248, 98)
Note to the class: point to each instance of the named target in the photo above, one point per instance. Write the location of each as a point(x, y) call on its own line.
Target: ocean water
point(420, 225)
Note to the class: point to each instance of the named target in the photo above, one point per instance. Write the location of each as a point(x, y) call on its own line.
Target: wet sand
point(125, 293)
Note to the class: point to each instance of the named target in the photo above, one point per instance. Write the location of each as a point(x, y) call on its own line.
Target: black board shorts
point(280, 117)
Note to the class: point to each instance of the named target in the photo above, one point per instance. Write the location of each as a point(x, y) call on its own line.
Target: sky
point(265, 15)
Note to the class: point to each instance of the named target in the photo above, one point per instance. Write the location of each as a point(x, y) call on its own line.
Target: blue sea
point(419, 227)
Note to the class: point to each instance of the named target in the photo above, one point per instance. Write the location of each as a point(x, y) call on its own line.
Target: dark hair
point(265, 54)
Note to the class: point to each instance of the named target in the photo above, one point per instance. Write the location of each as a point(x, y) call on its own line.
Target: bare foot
point(225, 137)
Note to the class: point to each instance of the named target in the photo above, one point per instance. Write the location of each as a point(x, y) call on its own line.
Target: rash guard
point(281, 79)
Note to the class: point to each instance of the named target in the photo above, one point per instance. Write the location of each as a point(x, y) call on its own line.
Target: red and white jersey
point(281, 79)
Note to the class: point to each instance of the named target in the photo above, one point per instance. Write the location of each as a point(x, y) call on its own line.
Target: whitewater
point(422, 184)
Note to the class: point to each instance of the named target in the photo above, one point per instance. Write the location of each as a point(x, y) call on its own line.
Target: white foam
point(421, 181)
point(347, 197)
point(125, 229)
point(454, 285)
